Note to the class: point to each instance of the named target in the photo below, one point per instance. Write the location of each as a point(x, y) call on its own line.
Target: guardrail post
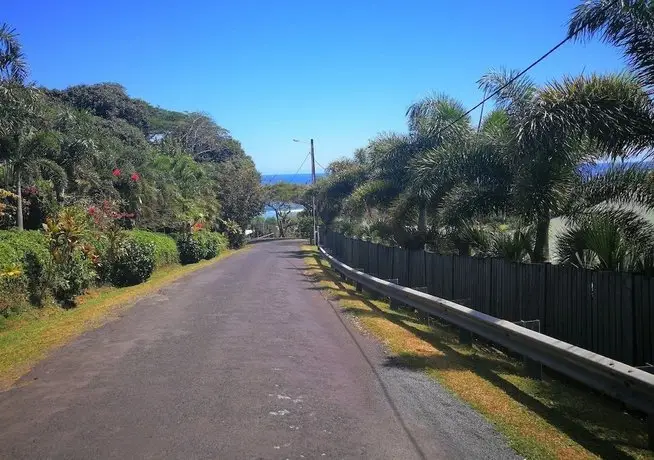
point(422, 316)
point(343, 278)
point(359, 286)
point(534, 368)
point(394, 304)
point(465, 337)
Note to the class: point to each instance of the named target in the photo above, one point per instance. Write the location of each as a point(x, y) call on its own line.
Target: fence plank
point(401, 266)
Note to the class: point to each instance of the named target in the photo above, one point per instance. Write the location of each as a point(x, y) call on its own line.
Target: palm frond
point(612, 110)
point(625, 23)
point(625, 185)
point(428, 118)
point(13, 66)
point(512, 95)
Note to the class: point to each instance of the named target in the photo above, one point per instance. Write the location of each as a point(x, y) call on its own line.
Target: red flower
point(91, 210)
point(116, 172)
point(135, 177)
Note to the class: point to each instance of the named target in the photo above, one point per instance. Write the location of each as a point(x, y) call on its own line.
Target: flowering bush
point(133, 262)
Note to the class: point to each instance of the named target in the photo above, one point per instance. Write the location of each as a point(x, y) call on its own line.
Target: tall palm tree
point(561, 126)
point(433, 122)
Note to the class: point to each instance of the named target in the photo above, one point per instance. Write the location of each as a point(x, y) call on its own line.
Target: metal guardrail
point(630, 385)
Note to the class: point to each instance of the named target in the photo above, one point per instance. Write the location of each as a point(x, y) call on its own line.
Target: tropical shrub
point(14, 245)
point(212, 243)
point(190, 249)
point(71, 270)
point(165, 247)
point(132, 262)
point(71, 277)
point(14, 274)
point(234, 232)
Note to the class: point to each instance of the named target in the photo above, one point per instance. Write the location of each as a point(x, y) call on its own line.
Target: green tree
point(281, 197)
point(240, 191)
point(27, 155)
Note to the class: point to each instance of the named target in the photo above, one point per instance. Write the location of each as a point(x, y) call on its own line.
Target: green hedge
point(165, 247)
point(194, 247)
point(14, 245)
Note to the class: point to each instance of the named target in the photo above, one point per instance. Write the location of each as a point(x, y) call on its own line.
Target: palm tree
point(29, 156)
point(560, 127)
point(391, 185)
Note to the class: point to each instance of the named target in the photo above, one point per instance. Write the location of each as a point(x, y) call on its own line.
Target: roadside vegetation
point(493, 186)
point(99, 189)
point(544, 419)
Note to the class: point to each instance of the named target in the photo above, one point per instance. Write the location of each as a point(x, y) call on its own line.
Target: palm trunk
point(541, 245)
point(19, 211)
point(422, 224)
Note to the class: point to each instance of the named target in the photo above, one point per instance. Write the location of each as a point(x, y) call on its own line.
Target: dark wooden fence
point(609, 313)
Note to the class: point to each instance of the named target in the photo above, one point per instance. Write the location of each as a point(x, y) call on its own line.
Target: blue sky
point(338, 71)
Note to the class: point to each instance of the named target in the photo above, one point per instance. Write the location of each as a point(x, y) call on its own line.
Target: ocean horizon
point(304, 178)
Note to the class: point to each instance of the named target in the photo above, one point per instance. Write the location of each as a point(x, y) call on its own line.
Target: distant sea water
point(292, 178)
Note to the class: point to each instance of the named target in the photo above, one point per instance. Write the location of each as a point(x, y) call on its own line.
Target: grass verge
point(28, 337)
point(540, 419)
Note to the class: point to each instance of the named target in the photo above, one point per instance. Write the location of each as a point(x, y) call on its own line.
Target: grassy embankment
point(28, 337)
point(540, 419)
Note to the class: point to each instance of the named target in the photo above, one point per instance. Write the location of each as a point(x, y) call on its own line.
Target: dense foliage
point(88, 144)
point(101, 180)
point(494, 186)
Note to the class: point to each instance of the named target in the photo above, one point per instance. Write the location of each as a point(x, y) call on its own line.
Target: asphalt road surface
point(244, 359)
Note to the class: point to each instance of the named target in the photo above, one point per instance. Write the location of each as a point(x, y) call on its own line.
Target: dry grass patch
point(540, 419)
point(27, 338)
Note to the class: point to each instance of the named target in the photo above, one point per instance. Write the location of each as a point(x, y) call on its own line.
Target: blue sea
point(292, 178)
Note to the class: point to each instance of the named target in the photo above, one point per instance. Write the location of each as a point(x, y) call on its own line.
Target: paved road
point(244, 359)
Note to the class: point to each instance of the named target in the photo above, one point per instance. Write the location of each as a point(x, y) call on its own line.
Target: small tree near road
point(280, 197)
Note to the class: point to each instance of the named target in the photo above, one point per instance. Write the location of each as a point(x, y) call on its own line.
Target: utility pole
point(313, 194)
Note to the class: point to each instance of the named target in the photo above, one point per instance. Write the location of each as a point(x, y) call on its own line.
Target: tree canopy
point(88, 144)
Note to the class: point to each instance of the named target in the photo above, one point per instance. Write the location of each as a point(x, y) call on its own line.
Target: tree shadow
point(567, 414)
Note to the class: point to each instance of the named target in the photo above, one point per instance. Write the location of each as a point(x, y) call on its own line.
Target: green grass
point(540, 419)
point(28, 337)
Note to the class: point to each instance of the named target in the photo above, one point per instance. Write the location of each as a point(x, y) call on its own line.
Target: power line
point(514, 78)
point(272, 181)
point(319, 164)
point(298, 169)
